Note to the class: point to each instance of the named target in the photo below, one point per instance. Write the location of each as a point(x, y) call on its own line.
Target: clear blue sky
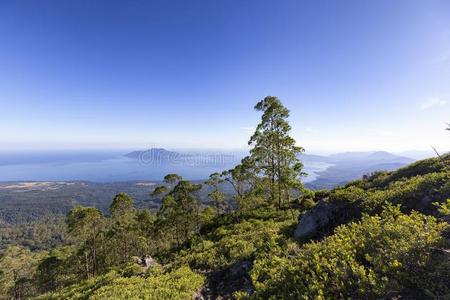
point(356, 75)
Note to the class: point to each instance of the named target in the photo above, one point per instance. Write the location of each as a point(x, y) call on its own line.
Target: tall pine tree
point(274, 152)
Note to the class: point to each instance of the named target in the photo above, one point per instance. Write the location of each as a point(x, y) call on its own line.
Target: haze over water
point(107, 166)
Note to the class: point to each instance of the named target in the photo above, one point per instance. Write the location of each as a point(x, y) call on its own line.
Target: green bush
point(349, 194)
point(181, 283)
point(233, 243)
point(361, 260)
point(414, 193)
point(83, 289)
point(421, 167)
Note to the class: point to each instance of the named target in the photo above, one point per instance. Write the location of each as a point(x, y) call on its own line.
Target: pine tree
point(246, 183)
point(275, 152)
point(178, 215)
point(124, 233)
point(86, 225)
point(216, 194)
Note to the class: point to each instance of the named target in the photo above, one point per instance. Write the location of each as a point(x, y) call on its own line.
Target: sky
point(356, 75)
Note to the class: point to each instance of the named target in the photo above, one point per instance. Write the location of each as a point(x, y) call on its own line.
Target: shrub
point(233, 243)
point(181, 283)
point(83, 289)
point(443, 208)
point(349, 194)
point(422, 167)
point(414, 193)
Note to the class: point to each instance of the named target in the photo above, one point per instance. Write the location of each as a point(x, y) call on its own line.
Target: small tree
point(216, 194)
point(178, 215)
point(17, 265)
point(246, 183)
point(124, 233)
point(86, 225)
point(146, 222)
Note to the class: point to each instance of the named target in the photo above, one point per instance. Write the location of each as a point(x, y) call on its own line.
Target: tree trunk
point(86, 258)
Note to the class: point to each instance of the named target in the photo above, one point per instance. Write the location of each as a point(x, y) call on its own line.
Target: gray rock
point(314, 220)
point(324, 217)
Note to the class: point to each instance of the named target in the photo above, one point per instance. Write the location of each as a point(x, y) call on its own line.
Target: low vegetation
point(381, 254)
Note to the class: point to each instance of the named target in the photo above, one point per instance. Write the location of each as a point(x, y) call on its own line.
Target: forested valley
point(384, 236)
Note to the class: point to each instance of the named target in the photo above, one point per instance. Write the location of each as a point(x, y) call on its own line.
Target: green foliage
point(124, 235)
point(361, 260)
point(248, 186)
point(207, 216)
point(46, 232)
point(103, 243)
point(172, 178)
point(234, 243)
point(412, 192)
point(82, 290)
point(85, 225)
point(181, 283)
point(274, 152)
point(259, 233)
point(307, 204)
point(349, 194)
point(216, 195)
point(121, 204)
point(17, 266)
point(56, 270)
point(177, 218)
point(443, 208)
point(145, 227)
point(421, 167)
point(159, 190)
point(306, 200)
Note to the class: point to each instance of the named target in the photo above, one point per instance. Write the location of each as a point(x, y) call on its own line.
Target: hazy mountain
point(153, 164)
point(154, 155)
point(416, 154)
point(349, 166)
point(377, 156)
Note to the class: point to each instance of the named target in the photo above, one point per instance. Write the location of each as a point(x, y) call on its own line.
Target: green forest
point(384, 236)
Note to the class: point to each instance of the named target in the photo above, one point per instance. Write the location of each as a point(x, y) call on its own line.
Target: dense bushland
point(365, 259)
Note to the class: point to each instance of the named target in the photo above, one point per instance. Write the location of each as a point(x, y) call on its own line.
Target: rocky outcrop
point(324, 217)
point(314, 221)
point(221, 284)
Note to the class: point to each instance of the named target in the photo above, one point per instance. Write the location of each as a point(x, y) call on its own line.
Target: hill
point(347, 166)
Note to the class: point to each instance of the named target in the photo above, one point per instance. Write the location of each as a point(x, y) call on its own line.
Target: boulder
point(314, 220)
point(324, 217)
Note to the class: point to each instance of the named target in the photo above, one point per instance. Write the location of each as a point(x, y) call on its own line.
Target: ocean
point(108, 166)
